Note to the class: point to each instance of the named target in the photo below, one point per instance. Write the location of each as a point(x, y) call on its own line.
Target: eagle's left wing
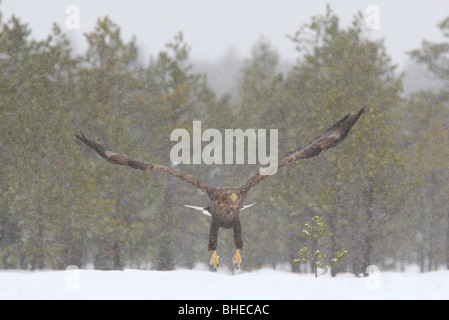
point(332, 137)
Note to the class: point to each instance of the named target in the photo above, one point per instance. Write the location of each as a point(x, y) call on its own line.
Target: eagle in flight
point(226, 203)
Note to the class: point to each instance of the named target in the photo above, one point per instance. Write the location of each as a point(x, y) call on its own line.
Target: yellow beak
point(234, 196)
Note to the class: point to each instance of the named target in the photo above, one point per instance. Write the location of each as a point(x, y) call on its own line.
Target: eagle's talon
point(214, 260)
point(237, 259)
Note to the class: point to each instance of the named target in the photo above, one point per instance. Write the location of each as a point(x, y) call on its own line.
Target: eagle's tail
point(204, 210)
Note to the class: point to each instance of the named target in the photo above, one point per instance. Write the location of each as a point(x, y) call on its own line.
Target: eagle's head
point(230, 198)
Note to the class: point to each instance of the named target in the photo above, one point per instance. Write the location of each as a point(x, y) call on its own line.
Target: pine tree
point(175, 96)
point(314, 232)
point(340, 71)
point(107, 77)
point(426, 114)
point(15, 49)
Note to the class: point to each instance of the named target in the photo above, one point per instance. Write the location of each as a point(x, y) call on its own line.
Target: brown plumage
point(226, 203)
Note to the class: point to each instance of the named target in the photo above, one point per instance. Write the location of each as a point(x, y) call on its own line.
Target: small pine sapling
point(313, 232)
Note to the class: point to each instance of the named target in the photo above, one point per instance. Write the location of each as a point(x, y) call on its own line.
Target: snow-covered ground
point(198, 284)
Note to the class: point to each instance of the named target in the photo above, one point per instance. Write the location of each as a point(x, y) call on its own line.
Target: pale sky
point(214, 28)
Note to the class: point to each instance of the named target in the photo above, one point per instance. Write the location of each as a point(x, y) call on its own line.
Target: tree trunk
point(369, 236)
point(447, 240)
point(165, 260)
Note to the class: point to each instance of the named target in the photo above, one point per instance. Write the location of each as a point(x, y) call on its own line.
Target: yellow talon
point(214, 260)
point(237, 259)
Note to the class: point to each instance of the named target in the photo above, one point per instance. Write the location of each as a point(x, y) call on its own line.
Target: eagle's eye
point(233, 197)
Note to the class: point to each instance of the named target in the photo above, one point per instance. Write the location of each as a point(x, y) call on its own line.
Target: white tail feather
point(202, 209)
point(247, 206)
point(207, 213)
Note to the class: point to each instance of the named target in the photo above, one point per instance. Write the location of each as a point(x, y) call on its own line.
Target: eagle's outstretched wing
point(333, 136)
point(124, 160)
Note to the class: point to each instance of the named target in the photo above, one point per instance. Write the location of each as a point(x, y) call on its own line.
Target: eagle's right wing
point(124, 160)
